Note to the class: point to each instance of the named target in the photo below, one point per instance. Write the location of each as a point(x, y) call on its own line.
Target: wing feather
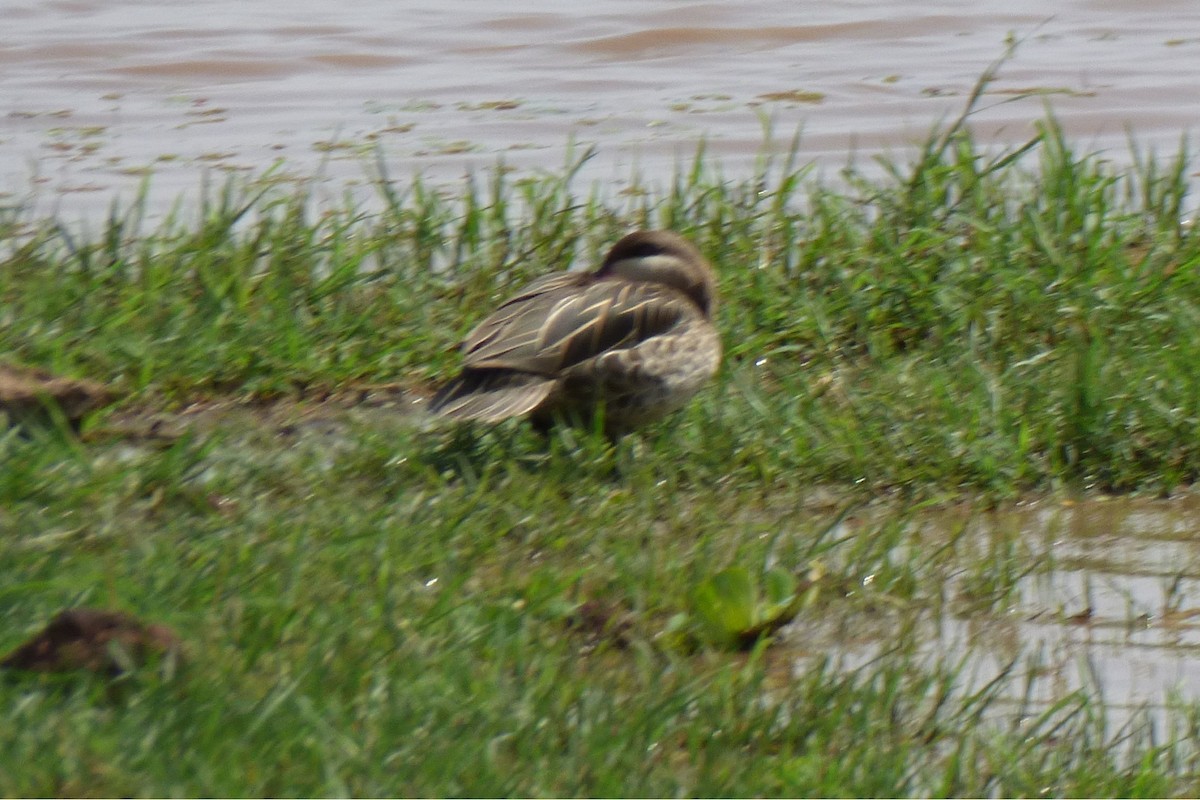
point(547, 331)
point(490, 395)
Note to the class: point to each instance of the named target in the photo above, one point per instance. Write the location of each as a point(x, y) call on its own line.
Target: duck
point(624, 345)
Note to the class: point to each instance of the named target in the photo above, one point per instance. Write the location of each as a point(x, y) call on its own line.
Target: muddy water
point(1112, 606)
point(97, 94)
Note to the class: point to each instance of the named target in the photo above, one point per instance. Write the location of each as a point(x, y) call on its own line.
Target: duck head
point(663, 257)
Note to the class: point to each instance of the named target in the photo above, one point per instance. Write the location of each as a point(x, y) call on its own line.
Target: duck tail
point(491, 395)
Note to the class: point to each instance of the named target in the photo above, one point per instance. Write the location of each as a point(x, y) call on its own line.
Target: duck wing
point(569, 322)
point(513, 360)
point(491, 395)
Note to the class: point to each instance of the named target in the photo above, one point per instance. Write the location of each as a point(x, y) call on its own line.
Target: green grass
point(394, 609)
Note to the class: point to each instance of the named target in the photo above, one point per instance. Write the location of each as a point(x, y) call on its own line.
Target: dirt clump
point(29, 397)
point(94, 640)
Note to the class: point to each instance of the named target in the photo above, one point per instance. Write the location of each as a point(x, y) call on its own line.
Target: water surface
point(96, 95)
point(1107, 602)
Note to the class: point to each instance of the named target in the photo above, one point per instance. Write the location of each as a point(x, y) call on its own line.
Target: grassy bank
point(393, 608)
point(998, 322)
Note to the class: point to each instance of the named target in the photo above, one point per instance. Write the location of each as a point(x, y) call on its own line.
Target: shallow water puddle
point(1111, 604)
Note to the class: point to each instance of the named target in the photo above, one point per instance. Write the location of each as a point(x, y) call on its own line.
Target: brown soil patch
point(93, 640)
point(284, 415)
point(28, 395)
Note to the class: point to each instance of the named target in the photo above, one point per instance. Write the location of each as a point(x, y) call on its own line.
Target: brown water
point(98, 93)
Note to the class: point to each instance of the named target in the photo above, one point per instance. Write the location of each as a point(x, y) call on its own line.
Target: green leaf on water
point(780, 586)
point(735, 610)
point(724, 602)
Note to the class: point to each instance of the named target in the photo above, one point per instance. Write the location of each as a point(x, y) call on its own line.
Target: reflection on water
point(99, 94)
point(1113, 608)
